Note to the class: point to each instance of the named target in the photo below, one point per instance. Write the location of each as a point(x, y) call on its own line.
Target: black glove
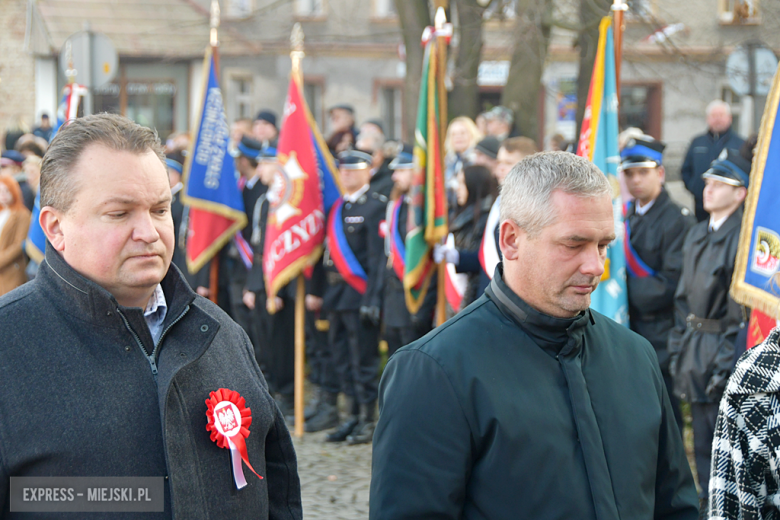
point(370, 314)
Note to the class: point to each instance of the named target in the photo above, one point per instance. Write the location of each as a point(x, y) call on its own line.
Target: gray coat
point(87, 393)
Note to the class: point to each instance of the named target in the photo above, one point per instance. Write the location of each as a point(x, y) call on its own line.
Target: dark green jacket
point(504, 412)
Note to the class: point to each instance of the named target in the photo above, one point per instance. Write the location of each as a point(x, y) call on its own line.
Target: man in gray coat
point(528, 404)
point(113, 367)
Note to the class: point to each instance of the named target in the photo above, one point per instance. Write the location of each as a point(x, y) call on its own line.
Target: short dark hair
point(58, 187)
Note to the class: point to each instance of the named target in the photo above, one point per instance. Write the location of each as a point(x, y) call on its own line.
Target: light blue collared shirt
point(155, 312)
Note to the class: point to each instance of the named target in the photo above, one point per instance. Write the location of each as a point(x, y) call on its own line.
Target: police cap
point(730, 168)
point(642, 152)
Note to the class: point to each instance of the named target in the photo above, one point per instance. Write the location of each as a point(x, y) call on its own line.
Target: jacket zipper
point(153, 357)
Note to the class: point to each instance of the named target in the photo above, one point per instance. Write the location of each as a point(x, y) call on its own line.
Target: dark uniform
point(354, 318)
point(322, 413)
point(275, 347)
point(401, 327)
point(657, 237)
point(707, 320)
point(704, 149)
point(233, 271)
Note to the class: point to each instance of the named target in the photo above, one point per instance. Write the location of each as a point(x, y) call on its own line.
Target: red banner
point(759, 327)
point(296, 221)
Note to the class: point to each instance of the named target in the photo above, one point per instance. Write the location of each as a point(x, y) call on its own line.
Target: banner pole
point(618, 8)
point(441, 67)
point(296, 56)
point(300, 353)
point(214, 42)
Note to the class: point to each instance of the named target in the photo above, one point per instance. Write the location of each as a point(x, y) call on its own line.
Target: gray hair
point(58, 185)
point(718, 104)
point(528, 188)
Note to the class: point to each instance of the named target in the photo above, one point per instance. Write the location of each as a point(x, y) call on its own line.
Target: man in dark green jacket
point(528, 404)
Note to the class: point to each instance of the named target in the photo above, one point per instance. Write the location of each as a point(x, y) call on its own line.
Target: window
point(735, 101)
point(149, 103)
point(240, 91)
point(312, 93)
point(384, 9)
point(310, 8)
point(640, 107)
point(238, 8)
point(501, 10)
point(639, 10)
point(737, 12)
point(391, 109)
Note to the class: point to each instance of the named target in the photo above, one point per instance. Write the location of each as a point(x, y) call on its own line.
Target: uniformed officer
point(236, 256)
point(322, 412)
point(354, 263)
point(401, 327)
point(707, 319)
point(275, 348)
point(656, 228)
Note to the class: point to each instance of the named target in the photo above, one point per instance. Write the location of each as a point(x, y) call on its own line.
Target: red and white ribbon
point(430, 33)
point(228, 421)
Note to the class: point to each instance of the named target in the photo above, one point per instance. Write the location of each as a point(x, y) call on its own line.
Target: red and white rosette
point(229, 422)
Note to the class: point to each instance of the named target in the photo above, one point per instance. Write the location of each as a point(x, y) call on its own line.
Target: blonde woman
point(462, 136)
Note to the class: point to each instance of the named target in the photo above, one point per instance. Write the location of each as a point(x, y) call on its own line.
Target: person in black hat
point(236, 257)
point(701, 344)
point(486, 152)
point(402, 327)
point(656, 228)
point(354, 262)
point(275, 333)
point(11, 164)
point(264, 128)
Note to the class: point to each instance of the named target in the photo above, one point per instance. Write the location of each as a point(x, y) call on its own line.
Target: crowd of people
point(509, 208)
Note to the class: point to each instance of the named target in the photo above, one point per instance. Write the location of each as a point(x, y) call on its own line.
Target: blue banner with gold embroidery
point(210, 184)
point(755, 282)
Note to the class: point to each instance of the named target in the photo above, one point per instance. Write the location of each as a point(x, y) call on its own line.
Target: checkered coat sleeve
point(745, 474)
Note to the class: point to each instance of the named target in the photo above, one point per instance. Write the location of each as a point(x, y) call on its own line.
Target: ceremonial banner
point(210, 186)
point(599, 143)
point(427, 224)
point(755, 282)
point(68, 109)
point(296, 219)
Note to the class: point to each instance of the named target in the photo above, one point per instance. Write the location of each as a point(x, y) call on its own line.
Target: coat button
point(204, 328)
point(127, 348)
point(182, 354)
point(108, 313)
point(347, 205)
point(351, 229)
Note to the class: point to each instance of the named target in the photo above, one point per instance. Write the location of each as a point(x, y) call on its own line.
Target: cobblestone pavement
point(334, 478)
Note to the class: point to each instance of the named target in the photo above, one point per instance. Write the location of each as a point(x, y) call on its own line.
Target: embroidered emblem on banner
point(766, 255)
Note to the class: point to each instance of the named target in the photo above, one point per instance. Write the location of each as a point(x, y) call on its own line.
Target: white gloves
point(446, 252)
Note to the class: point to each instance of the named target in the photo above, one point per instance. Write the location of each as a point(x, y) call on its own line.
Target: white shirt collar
point(155, 302)
point(641, 210)
point(714, 226)
point(355, 196)
point(250, 183)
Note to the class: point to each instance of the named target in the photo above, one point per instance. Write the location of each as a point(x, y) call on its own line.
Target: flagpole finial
point(440, 19)
point(214, 22)
point(296, 45)
point(619, 5)
point(70, 72)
